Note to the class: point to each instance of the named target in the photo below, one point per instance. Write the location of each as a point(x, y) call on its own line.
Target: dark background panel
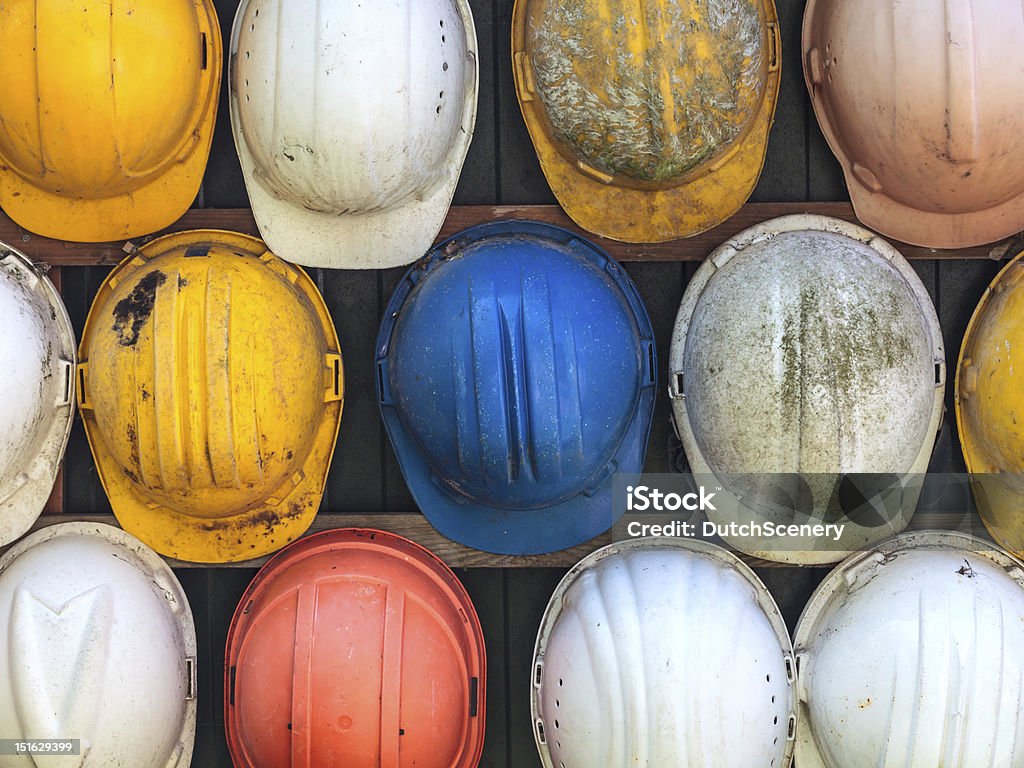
point(520, 179)
point(784, 177)
point(501, 168)
point(356, 479)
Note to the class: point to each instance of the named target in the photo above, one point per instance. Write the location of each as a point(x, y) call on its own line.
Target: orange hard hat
point(355, 648)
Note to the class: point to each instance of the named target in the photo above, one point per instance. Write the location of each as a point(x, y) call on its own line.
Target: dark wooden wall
point(501, 169)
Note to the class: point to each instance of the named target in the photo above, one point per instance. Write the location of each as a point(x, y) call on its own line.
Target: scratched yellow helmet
point(107, 113)
point(650, 118)
point(990, 405)
point(210, 384)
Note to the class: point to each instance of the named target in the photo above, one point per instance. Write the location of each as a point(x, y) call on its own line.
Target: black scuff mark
point(132, 312)
point(966, 570)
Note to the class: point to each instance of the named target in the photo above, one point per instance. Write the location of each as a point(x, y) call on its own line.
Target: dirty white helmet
point(807, 350)
point(97, 644)
point(352, 121)
point(663, 653)
point(912, 656)
point(37, 358)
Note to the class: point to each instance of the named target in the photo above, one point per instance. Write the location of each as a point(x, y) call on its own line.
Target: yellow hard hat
point(990, 405)
point(107, 113)
point(210, 384)
point(650, 119)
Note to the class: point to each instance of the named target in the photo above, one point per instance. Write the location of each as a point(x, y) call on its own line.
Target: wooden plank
point(60, 253)
point(416, 527)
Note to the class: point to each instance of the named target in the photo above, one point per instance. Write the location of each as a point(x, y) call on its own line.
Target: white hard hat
point(806, 346)
point(37, 357)
point(352, 121)
point(658, 653)
point(912, 656)
point(97, 644)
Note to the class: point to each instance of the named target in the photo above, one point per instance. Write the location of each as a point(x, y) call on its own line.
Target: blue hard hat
point(516, 369)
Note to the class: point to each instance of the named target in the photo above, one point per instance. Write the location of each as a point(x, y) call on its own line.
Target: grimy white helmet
point(96, 644)
point(806, 351)
point(352, 121)
point(663, 653)
point(912, 656)
point(37, 358)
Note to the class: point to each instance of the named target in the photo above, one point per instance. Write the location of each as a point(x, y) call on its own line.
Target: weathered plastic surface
point(658, 653)
point(989, 403)
point(211, 389)
point(920, 101)
point(806, 345)
point(650, 119)
point(107, 114)
point(37, 360)
point(352, 121)
point(515, 368)
point(912, 656)
point(97, 644)
point(355, 649)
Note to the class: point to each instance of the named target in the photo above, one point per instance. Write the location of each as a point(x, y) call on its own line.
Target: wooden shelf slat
point(415, 526)
point(57, 252)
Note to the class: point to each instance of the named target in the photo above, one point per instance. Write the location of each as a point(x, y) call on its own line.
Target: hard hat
point(807, 346)
point(650, 119)
point(107, 113)
point(663, 652)
point(352, 121)
point(210, 385)
point(385, 663)
point(919, 101)
point(37, 357)
point(912, 655)
point(97, 645)
point(988, 401)
point(516, 368)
